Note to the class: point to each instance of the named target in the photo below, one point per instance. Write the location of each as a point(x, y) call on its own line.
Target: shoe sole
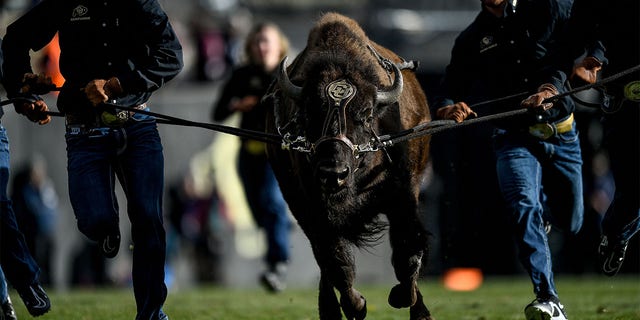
point(536, 314)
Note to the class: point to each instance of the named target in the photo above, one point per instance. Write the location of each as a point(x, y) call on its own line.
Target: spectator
point(190, 213)
point(118, 52)
point(265, 47)
point(593, 33)
point(502, 53)
point(35, 205)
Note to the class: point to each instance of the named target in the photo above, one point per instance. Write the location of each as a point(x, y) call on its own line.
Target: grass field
point(585, 298)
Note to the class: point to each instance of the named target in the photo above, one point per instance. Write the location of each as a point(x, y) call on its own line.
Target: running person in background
point(265, 47)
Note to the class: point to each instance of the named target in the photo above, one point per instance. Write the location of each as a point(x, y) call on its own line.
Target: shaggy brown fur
point(337, 197)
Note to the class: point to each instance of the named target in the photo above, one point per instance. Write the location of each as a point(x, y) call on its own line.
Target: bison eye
point(365, 115)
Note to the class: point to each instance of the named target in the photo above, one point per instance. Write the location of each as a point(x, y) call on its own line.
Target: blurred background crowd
point(211, 236)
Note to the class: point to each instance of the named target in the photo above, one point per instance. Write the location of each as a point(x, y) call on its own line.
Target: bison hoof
point(355, 308)
point(402, 296)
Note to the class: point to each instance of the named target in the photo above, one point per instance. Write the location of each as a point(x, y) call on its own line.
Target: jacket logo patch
point(79, 13)
point(487, 43)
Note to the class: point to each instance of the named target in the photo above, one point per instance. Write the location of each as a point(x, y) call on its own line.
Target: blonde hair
point(251, 37)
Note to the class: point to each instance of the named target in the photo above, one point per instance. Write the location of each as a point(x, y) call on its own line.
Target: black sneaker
point(8, 313)
point(35, 299)
point(541, 309)
point(611, 256)
point(547, 226)
point(162, 316)
point(110, 245)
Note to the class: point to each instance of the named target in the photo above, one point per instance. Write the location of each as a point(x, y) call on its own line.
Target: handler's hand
point(458, 112)
point(536, 100)
point(100, 90)
point(36, 84)
point(586, 70)
point(34, 111)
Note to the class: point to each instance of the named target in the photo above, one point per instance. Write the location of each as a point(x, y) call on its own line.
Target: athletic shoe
point(547, 226)
point(35, 299)
point(110, 245)
point(273, 280)
point(8, 313)
point(163, 316)
point(611, 256)
point(545, 310)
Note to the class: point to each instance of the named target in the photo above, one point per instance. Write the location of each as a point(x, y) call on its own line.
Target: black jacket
point(498, 57)
point(129, 39)
point(248, 80)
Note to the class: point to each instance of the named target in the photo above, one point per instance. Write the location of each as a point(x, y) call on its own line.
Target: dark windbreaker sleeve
point(454, 81)
point(32, 31)
point(578, 34)
point(162, 58)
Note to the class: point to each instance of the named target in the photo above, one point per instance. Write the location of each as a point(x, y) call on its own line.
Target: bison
point(337, 98)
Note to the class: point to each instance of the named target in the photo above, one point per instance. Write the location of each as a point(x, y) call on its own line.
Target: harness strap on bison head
point(389, 96)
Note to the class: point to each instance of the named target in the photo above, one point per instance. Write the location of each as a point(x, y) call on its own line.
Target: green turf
point(585, 298)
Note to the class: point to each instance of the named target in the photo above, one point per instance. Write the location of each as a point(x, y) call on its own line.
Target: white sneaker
point(545, 310)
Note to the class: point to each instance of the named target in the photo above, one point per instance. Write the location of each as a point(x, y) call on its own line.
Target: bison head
point(339, 105)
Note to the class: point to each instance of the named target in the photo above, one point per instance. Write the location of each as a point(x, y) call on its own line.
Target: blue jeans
point(134, 155)
point(19, 266)
point(4, 293)
point(622, 140)
point(540, 180)
point(266, 203)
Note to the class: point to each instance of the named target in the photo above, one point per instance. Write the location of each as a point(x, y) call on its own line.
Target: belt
point(120, 117)
point(546, 130)
point(80, 129)
point(113, 118)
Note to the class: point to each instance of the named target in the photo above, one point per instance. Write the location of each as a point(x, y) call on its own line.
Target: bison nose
point(332, 176)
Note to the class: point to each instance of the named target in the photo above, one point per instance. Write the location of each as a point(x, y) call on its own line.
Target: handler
point(504, 52)
point(593, 32)
point(120, 52)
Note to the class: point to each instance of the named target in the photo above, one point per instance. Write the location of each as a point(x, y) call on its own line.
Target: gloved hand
point(535, 100)
point(586, 70)
point(34, 111)
point(100, 90)
point(36, 84)
point(458, 112)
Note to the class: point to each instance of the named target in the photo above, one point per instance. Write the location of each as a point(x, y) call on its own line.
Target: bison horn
point(289, 89)
point(391, 96)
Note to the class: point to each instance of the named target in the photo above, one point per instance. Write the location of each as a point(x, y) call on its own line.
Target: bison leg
point(419, 310)
point(328, 305)
point(409, 243)
point(337, 268)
